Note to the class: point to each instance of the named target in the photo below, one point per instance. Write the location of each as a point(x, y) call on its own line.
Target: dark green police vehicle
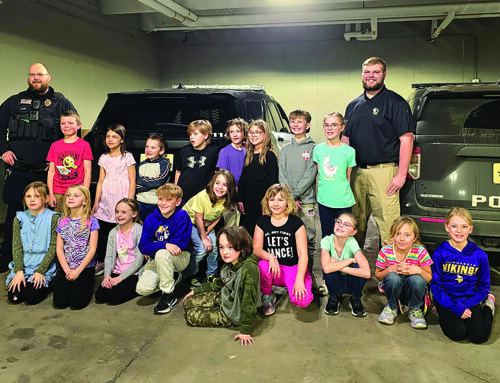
point(456, 161)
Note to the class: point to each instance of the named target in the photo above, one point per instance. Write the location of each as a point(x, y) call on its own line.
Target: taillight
point(414, 168)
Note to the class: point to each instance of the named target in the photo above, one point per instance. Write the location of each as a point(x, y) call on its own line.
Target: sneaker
point(268, 304)
point(490, 302)
point(177, 277)
point(417, 319)
point(322, 290)
point(195, 282)
point(166, 304)
point(99, 268)
point(210, 278)
point(357, 308)
point(332, 306)
point(388, 315)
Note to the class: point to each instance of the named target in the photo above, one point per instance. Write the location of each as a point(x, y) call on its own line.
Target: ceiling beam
point(323, 17)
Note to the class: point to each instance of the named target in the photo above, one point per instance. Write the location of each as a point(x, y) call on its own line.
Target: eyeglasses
point(255, 133)
point(37, 74)
point(459, 227)
point(347, 225)
point(334, 125)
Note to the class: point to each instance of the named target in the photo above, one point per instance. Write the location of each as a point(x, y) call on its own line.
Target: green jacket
point(239, 285)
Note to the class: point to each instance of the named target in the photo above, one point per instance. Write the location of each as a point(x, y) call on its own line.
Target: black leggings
point(102, 239)
point(75, 294)
point(120, 293)
point(477, 328)
point(28, 294)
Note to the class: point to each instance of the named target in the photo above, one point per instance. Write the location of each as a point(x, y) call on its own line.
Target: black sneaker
point(166, 304)
point(332, 307)
point(357, 308)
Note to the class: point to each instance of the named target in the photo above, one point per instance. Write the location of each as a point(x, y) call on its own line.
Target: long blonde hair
point(267, 144)
point(85, 218)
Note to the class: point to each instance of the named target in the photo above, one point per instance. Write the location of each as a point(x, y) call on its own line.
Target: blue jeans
point(327, 217)
point(199, 253)
point(408, 289)
point(338, 284)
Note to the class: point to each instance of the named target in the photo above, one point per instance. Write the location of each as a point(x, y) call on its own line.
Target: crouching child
point(164, 241)
point(231, 299)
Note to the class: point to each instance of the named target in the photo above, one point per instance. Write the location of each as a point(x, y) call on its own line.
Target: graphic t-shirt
point(280, 240)
point(196, 167)
point(68, 161)
point(334, 189)
point(125, 249)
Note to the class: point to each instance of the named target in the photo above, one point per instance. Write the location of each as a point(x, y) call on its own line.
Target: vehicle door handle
point(479, 151)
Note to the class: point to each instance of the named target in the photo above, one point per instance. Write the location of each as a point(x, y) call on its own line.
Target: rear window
point(157, 113)
point(477, 117)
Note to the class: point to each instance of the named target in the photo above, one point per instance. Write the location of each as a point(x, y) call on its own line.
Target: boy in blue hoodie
point(461, 283)
point(298, 170)
point(164, 240)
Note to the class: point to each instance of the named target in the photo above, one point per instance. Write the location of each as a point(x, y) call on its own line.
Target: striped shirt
point(418, 255)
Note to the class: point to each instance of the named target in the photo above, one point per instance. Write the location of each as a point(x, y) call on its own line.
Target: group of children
point(274, 246)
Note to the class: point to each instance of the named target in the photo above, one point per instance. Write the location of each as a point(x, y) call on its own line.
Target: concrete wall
point(87, 55)
point(316, 69)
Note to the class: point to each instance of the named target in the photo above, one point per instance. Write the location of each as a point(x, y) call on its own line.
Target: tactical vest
point(35, 119)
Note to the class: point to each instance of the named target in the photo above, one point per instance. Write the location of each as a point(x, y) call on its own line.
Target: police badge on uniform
point(375, 111)
point(47, 102)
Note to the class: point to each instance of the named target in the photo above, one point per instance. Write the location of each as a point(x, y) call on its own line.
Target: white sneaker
point(388, 315)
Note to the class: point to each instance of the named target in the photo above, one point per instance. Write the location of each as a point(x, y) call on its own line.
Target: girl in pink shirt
point(123, 257)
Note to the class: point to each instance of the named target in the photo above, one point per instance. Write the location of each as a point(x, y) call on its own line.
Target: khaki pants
point(369, 186)
point(158, 273)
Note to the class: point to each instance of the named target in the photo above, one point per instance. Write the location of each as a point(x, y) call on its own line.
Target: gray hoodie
point(298, 170)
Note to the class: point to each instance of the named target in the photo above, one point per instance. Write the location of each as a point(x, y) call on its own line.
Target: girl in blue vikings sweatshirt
point(461, 283)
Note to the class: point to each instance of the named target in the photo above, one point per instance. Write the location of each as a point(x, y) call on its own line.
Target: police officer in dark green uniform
point(29, 124)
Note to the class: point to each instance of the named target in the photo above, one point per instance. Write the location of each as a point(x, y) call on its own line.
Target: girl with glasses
point(345, 268)
point(260, 170)
point(335, 161)
point(461, 283)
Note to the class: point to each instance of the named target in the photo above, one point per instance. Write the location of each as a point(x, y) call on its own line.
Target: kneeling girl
point(280, 241)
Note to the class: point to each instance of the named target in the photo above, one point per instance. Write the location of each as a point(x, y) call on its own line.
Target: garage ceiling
point(361, 18)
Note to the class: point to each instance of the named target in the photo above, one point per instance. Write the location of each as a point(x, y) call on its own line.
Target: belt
point(28, 169)
point(384, 165)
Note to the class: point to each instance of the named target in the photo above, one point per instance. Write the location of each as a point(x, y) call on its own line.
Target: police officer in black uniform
point(29, 124)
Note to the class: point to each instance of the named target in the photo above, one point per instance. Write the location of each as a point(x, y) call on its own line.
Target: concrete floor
point(127, 343)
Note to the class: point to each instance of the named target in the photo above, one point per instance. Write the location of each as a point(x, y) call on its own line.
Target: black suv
point(169, 112)
point(456, 160)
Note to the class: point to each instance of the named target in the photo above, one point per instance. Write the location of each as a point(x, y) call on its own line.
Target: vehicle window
point(461, 117)
point(254, 109)
point(274, 118)
point(173, 113)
